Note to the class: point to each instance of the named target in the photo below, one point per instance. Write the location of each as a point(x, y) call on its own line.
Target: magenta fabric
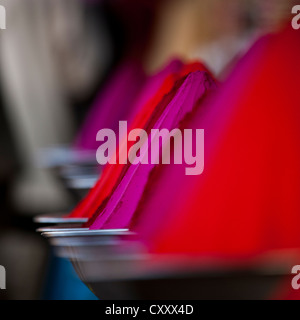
point(121, 206)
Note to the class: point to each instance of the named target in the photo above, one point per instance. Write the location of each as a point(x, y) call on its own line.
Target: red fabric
point(247, 201)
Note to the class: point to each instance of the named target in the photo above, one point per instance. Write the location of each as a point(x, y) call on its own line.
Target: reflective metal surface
point(61, 227)
point(55, 218)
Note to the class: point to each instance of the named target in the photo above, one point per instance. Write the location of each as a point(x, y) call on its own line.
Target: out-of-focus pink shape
point(114, 103)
